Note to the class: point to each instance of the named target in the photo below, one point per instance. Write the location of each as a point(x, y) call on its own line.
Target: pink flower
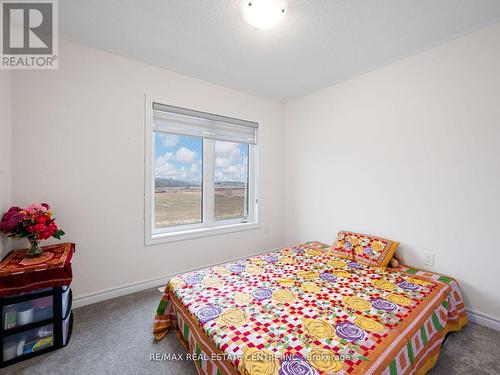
point(10, 219)
point(36, 207)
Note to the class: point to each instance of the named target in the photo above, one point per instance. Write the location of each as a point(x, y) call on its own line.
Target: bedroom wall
point(82, 127)
point(410, 151)
point(5, 151)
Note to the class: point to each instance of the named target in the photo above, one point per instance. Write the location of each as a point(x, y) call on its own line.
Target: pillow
point(366, 249)
point(342, 247)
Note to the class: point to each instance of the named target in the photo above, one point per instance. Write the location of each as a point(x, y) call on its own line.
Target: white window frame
point(208, 226)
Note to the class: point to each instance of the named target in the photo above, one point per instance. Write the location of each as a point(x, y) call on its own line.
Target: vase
point(35, 249)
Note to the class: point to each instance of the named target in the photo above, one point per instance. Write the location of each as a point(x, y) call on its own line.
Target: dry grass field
point(177, 207)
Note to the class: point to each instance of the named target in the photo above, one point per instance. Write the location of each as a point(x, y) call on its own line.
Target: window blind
point(183, 121)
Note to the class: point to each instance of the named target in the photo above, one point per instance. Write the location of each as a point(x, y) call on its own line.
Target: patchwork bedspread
point(301, 310)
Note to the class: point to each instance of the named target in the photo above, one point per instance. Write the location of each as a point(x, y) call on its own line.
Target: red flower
point(41, 219)
point(48, 231)
point(10, 219)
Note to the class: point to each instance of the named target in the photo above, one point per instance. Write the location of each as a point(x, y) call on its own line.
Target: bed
point(302, 310)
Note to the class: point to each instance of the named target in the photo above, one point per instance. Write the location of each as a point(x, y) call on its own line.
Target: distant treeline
point(164, 182)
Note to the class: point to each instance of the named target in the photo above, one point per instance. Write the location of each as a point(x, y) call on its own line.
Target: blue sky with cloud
point(180, 157)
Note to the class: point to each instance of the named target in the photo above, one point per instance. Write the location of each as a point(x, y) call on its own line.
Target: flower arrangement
point(34, 223)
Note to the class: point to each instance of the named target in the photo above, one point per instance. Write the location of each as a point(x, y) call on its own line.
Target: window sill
point(189, 234)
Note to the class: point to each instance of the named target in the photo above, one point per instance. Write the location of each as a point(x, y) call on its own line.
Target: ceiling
point(318, 43)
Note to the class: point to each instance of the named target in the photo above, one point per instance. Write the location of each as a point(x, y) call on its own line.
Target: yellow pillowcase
point(366, 249)
point(342, 247)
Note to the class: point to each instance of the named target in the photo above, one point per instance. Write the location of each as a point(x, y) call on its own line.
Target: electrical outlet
point(429, 259)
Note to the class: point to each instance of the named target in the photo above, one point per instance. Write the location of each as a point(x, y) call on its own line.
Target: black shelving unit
point(61, 321)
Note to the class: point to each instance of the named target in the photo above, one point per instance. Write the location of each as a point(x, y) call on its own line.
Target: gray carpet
point(114, 337)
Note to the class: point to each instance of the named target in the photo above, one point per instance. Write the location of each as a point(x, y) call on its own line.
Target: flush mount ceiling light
point(263, 14)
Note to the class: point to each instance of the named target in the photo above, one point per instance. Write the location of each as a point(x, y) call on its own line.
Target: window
point(201, 173)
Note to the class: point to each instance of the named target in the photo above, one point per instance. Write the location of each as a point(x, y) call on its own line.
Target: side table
point(35, 302)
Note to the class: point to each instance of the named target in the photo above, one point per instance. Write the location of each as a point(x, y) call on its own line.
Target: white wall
point(5, 151)
point(82, 131)
point(410, 151)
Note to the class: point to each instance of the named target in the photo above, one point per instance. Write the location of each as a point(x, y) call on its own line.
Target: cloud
point(226, 148)
point(236, 172)
point(169, 140)
point(230, 164)
point(165, 157)
point(222, 162)
point(185, 155)
point(164, 167)
point(226, 154)
point(195, 168)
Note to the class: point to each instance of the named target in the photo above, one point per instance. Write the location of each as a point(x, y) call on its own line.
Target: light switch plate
point(429, 259)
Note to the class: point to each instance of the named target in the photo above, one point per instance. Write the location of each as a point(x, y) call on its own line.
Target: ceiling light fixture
point(263, 14)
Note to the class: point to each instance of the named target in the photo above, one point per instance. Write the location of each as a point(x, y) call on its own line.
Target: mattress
point(301, 310)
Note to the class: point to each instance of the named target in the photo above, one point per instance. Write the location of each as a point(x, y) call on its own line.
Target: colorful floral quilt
point(302, 310)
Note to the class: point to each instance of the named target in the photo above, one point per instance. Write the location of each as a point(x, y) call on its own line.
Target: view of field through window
point(178, 180)
point(231, 180)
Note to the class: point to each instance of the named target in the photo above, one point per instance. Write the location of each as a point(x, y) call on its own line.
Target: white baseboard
point(483, 319)
point(105, 294)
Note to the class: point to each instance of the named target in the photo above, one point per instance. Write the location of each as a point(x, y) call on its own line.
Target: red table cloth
point(19, 273)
